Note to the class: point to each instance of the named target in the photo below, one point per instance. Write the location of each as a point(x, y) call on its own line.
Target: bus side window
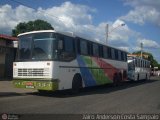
point(89, 46)
point(122, 58)
point(95, 50)
point(113, 53)
point(125, 56)
point(119, 55)
point(101, 51)
point(78, 45)
point(139, 62)
point(69, 44)
point(116, 54)
point(136, 62)
point(109, 53)
point(83, 47)
point(145, 64)
point(105, 52)
point(68, 52)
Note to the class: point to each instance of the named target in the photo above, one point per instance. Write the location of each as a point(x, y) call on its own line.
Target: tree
point(31, 26)
point(154, 63)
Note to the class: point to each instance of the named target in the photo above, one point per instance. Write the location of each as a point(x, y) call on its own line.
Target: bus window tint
point(44, 46)
point(105, 52)
point(83, 47)
point(69, 44)
point(101, 51)
point(68, 53)
point(125, 56)
point(116, 54)
point(136, 62)
point(122, 58)
point(119, 55)
point(89, 47)
point(141, 63)
point(95, 50)
point(25, 43)
point(109, 52)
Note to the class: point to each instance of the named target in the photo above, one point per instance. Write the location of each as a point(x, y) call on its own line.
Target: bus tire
point(120, 78)
point(138, 77)
point(124, 74)
point(149, 77)
point(76, 83)
point(146, 77)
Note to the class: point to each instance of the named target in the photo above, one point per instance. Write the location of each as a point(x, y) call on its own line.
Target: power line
point(35, 9)
point(61, 20)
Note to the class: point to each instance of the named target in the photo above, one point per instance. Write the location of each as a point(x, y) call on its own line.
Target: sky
point(88, 19)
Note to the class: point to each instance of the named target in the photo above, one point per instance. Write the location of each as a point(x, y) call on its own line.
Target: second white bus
point(138, 68)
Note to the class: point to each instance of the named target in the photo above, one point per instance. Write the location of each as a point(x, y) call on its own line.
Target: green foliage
point(154, 63)
point(31, 26)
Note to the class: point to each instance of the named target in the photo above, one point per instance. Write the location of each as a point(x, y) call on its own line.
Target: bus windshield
point(37, 46)
point(131, 65)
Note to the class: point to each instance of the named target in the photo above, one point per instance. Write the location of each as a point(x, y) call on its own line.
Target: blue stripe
point(85, 72)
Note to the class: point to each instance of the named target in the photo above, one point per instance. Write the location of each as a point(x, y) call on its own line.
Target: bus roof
point(135, 57)
point(42, 31)
point(71, 34)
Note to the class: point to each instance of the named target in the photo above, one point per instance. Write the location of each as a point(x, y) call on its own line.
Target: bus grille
point(33, 72)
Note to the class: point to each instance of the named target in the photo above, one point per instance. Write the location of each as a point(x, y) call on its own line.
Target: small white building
point(8, 47)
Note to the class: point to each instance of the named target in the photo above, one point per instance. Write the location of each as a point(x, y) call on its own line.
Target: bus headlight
point(46, 69)
point(15, 72)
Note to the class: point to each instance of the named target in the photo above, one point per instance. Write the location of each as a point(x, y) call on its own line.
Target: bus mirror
point(60, 44)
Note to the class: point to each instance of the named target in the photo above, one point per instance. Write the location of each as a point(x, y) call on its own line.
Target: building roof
point(8, 37)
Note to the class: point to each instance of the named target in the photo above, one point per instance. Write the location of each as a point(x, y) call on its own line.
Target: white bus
point(49, 60)
point(138, 68)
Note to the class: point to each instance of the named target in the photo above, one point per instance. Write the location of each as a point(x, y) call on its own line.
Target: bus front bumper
point(36, 84)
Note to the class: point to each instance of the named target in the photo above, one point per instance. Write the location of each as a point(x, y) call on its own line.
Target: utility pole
point(107, 31)
point(141, 49)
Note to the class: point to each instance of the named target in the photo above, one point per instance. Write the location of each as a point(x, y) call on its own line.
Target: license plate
point(29, 83)
point(29, 86)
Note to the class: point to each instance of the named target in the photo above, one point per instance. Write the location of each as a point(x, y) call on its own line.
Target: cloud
point(148, 43)
point(67, 15)
point(11, 17)
point(134, 3)
point(70, 17)
point(118, 32)
point(144, 11)
point(124, 48)
point(78, 18)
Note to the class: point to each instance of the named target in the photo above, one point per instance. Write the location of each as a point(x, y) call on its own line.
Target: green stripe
point(99, 73)
point(36, 84)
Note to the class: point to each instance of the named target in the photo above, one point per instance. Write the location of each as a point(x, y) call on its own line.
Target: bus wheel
point(138, 77)
point(120, 79)
point(76, 83)
point(146, 77)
